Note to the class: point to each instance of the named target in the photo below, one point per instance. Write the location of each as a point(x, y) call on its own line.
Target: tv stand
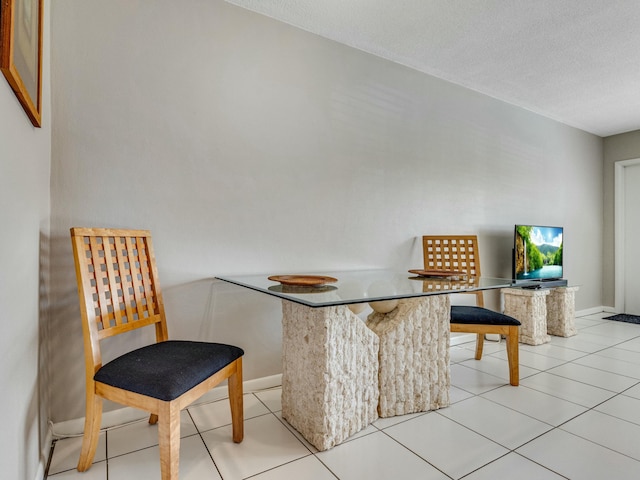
point(543, 310)
point(542, 283)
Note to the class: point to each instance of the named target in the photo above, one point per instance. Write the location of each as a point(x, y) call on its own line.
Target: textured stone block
point(561, 312)
point(414, 367)
point(329, 373)
point(530, 307)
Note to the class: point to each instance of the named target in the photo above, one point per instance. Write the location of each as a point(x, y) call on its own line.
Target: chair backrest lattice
point(117, 282)
point(454, 253)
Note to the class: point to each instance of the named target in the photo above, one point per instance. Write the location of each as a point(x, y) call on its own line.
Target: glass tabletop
point(360, 286)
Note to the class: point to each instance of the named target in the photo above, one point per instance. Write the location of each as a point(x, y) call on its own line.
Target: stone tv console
point(543, 310)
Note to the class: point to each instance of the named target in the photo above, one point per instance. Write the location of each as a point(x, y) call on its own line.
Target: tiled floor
point(576, 414)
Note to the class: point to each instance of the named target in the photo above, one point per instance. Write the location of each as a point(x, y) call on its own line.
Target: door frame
point(619, 231)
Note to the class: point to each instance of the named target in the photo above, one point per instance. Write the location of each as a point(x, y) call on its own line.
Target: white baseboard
point(594, 311)
point(44, 456)
point(493, 337)
point(460, 338)
point(41, 469)
point(122, 416)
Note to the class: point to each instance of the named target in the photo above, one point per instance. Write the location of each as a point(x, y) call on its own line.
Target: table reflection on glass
point(339, 374)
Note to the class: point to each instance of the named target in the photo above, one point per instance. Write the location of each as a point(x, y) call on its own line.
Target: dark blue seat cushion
point(166, 370)
point(472, 315)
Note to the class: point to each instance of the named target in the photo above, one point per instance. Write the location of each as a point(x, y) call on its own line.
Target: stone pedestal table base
point(414, 355)
point(329, 373)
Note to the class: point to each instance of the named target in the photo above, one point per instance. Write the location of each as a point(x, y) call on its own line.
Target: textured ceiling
point(575, 61)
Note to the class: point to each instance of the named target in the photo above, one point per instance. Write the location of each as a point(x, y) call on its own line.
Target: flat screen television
point(537, 252)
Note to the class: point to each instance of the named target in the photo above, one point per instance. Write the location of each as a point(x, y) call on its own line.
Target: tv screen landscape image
point(537, 252)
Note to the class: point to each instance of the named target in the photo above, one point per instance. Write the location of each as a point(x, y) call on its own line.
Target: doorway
point(627, 236)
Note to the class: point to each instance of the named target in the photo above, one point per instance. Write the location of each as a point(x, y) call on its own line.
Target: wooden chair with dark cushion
point(119, 292)
point(460, 253)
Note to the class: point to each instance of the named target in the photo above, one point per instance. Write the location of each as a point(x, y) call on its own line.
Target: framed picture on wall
point(21, 52)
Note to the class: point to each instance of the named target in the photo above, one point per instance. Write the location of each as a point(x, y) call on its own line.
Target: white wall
point(25, 154)
point(249, 146)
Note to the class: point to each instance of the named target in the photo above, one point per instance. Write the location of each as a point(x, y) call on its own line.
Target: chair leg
point(92, 420)
point(169, 440)
point(513, 356)
point(479, 345)
point(235, 401)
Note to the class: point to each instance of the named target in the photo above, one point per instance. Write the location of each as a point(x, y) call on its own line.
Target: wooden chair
point(460, 253)
point(119, 292)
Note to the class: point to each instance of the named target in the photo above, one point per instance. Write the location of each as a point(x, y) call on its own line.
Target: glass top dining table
point(362, 286)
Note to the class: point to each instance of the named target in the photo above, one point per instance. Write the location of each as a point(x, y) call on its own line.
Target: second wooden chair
point(460, 253)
